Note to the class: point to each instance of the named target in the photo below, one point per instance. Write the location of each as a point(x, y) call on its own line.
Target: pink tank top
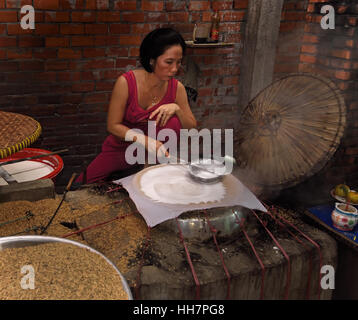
point(135, 114)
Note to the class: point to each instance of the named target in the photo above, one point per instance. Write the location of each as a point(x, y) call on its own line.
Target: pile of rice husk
point(61, 271)
point(120, 240)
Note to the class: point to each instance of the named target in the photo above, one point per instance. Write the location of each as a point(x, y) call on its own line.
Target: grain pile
point(118, 240)
point(62, 271)
point(39, 213)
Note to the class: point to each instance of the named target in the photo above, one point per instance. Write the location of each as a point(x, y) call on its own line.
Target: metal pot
point(24, 241)
point(227, 221)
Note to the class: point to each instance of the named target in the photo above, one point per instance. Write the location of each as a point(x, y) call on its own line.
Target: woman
point(140, 95)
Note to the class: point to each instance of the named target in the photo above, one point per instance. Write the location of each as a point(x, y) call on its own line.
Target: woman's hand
point(156, 147)
point(164, 113)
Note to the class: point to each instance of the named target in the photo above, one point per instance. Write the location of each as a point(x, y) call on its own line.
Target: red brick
point(110, 74)
point(83, 87)
point(56, 65)
point(175, 5)
point(2, 29)
point(46, 28)
point(344, 54)
point(307, 58)
point(66, 53)
point(311, 8)
point(9, 66)
point(57, 42)
point(123, 63)
point(134, 52)
point(310, 38)
point(107, 16)
point(230, 81)
point(130, 40)
point(45, 76)
point(16, 54)
point(290, 26)
point(88, 75)
point(72, 29)
point(86, 16)
point(45, 53)
point(340, 64)
point(82, 41)
point(97, 4)
point(2, 54)
point(157, 16)
point(100, 64)
point(205, 92)
point(119, 28)
point(294, 16)
point(199, 5)
point(2, 4)
point(152, 5)
point(178, 16)
point(72, 4)
point(10, 4)
point(8, 16)
point(31, 65)
point(95, 97)
point(105, 40)
point(343, 75)
point(7, 42)
point(241, 4)
point(96, 28)
point(133, 17)
point(15, 29)
point(142, 28)
point(309, 49)
point(46, 4)
point(125, 5)
point(233, 16)
point(104, 86)
point(117, 52)
point(222, 5)
point(94, 52)
point(57, 16)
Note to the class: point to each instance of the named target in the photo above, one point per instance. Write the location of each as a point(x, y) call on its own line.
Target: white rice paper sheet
point(155, 212)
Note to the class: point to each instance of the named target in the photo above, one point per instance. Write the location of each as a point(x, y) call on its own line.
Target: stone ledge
point(29, 190)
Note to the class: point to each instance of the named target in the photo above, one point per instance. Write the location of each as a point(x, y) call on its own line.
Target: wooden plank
point(261, 36)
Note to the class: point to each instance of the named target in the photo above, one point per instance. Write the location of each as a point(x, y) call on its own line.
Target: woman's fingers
point(154, 113)
point(162, 151)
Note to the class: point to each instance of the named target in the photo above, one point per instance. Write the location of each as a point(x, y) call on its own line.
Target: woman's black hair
point(156, 42)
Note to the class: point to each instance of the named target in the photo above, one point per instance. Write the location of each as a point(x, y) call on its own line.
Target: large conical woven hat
point(16, 132)
point(289, 131)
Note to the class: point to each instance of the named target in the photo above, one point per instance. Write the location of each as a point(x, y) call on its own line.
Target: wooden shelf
point(191, 44)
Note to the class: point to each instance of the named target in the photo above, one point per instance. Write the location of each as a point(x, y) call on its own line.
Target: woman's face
point(167, 65)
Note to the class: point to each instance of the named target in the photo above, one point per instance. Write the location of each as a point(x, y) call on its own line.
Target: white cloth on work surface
point(164, 192)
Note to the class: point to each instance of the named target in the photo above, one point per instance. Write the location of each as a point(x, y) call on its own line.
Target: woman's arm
point(117, 107)
point(116, 111)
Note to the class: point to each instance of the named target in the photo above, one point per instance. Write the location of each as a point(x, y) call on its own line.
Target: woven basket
point(289, 131)
point(16, 132)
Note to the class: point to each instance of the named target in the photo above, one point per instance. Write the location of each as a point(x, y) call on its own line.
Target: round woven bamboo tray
point(289, 131)
point(16, 132)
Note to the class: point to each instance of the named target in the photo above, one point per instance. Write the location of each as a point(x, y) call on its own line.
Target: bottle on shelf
point(215, 22)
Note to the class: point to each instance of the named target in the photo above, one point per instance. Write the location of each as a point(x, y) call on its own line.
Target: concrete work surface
point(155, 264)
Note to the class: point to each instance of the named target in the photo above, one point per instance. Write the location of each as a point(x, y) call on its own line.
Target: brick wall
point(62, 73)
point(333, 53)
point(290, 37)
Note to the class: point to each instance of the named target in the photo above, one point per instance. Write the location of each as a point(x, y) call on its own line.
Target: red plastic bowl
point(54, 161)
